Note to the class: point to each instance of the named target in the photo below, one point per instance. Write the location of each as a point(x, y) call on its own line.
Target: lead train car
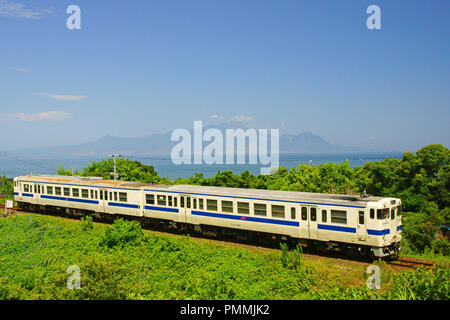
point(363, 225)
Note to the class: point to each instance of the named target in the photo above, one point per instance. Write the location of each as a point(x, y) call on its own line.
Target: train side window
point(324, 215)
point(211, 205)
point(106, 195)
point(101, 194)
point(392, 214)
point(194, 204)
point(122, 197)
point(200, 204)
point(175, 201)
point(313, 214)
point(278, 211)
point(150, 199)
point(293, 213)
point(110, 195)
point(92, 194)
point(58, 191)
point(76, 192)
point(84, 193)
point(372, 213)
point(115, 196)
point(49, 190)
point(227, 206)
point(182, 202)
point(304, 213)
point(96, 194)
point(188, 202)
point(339, 216)
point(169, 199)
point(25, 188)
point(243, 207)
point(260, 209)
point(66, 191)
point(161, 200)
point(361, 217)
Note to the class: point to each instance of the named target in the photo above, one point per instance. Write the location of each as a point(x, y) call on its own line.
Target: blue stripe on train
point(69, 199)
point(124, 205)
point(335, 228)
point(27, 194)
point(378, 232)
point(244, 218)
point(161, 209)
point(16, 193)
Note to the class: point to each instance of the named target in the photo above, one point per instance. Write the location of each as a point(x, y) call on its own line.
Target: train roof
point(207, 190)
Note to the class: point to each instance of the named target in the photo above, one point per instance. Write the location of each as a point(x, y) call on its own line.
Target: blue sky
point(142, 67)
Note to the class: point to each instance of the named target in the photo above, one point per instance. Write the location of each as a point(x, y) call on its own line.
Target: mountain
point(308, 143)
point(160, 144)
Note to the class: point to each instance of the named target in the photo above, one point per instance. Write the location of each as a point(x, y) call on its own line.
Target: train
point(357, 224)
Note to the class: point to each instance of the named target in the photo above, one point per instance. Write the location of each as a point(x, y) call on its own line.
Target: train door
point(186, 203)
point(36, 193)
point(361, 226)
point(103, 199)
point(312, 223)
point(393, 224)
point(308, 222)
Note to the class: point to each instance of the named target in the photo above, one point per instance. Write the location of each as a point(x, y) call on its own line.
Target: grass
point(121, 261)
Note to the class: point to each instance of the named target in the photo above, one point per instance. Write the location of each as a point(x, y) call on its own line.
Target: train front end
point(385, 228)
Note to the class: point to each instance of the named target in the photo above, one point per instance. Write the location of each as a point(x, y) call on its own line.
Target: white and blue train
point(364, 225)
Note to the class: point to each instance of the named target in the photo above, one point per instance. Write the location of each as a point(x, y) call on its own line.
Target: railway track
point(410, 263)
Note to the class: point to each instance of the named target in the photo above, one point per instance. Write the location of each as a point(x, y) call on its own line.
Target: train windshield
point(382, 214)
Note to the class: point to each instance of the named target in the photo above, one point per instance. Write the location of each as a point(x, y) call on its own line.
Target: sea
point(166, 168)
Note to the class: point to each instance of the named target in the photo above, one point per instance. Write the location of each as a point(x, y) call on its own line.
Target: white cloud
point(242, 118)
point(19, 10)
point(21, 69)
point(216, 116)
point(56, 115)
point(61, 97)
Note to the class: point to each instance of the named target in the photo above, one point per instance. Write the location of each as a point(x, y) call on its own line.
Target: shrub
point(86, 223)
point(421, 285)
point(122, 232)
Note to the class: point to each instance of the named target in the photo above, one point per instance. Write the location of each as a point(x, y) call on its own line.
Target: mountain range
point(161, 144)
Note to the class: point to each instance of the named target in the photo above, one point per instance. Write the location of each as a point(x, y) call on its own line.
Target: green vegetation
point(121, 261)
point(121, 233)
point(127, 169)
point(6, 188)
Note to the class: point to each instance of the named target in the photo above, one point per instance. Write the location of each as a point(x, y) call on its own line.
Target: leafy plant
point(86, 223)
point(122, 232)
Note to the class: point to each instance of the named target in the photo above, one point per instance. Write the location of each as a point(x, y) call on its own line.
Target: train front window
point(382, 214)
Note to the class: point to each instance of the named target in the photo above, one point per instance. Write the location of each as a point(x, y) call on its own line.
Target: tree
point(6, 187)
